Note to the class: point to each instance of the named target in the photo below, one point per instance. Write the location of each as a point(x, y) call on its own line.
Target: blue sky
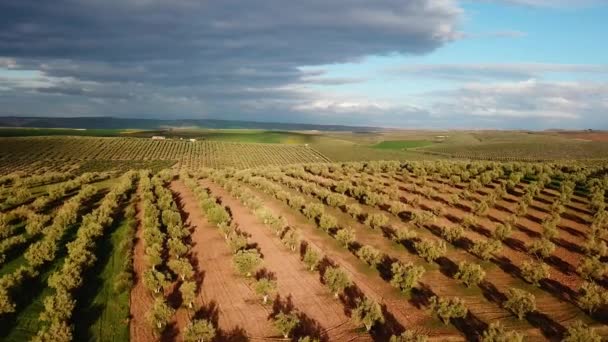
point(532, 64)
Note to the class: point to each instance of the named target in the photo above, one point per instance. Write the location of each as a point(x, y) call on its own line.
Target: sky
point(505, 64)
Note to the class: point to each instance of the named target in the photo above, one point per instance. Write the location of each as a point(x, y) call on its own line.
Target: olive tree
point(375, 221)
point(448, 308)
point(188, 292)
point(354, 210)
point(237, 242)
point(502, 231)
point(430, 250)
point(497, 333)
point(291, 239)
point(470, 273)
point(336, 280)
point(199, 330)
point(160, 315)
point(368, 313)
point(541, 248)
point(247, 261)
point(311, 259)
point(486, 248)
point(327, 222)
point(533, 272)
point(452, 234)
point(409, 336)
point(405, 276)
point(369, 255)
point(265, 287)
point(520, 302)
point(286, 323)
point(345, 236)
point(404, 234)
point(579, 332)
point(592, 268)
point(592, 296)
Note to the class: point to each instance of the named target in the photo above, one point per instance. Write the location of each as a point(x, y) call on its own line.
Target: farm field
point(96, 154)
point(442, 250)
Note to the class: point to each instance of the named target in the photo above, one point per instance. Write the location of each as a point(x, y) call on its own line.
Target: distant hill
point(120, 123)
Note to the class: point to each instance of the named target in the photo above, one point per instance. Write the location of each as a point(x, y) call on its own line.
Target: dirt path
point(225, 298)
point(325, 315)
point(141, 301)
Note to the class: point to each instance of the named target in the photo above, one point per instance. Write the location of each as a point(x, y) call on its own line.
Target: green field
point(402, 144)
point(104, 307)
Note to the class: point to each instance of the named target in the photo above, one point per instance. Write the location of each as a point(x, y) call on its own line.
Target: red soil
point(225, 298)
point(304, 289)
point(141, 301)
point(404, 312)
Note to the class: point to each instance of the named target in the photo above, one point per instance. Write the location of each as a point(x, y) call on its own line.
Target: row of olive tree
point(58, 307)
point(44, 250)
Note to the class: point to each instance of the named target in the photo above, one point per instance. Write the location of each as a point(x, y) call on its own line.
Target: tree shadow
point(421, 295)
point(390, 327)
point(385, 267)
point(281, 305)
point(506, 265)
point(515, 245)
point(559, 290)
point(561, 265)
point(309, 327)
point(264, 273)
point(491, 293)
point(169, 333)
point(447, 266)
point(549, 327)
point(210, 312)
point(237, 334)
point(471, 326)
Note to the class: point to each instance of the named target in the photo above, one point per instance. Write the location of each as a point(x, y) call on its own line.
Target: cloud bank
point(250, 60)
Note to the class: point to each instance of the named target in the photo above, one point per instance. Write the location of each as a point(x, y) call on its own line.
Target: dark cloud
point(229, 58)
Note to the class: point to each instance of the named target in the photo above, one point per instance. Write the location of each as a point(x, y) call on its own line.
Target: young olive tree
point(286, 323)
point(369, 255)
point(541, 248)
point(451, 234)
point(345, 236)
point(520, 302)
point(247, 261)
point(188, 292)
point(592, 296)
point(497, 333)
point(327, 222)
point(448, 308)
point(336, 280)
point(265, 287)
point(375, 221)
point(403, 234)
point(160, 315)
point(409, 336)
point(592, 268)
point(311, 259)
point(502, 231)
point(199, 330)
point(367, 313)
point(470, 273)
point(430, 250)
point(484, 249)
point(533, 272)
point(579, 332)
point(405, 276)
